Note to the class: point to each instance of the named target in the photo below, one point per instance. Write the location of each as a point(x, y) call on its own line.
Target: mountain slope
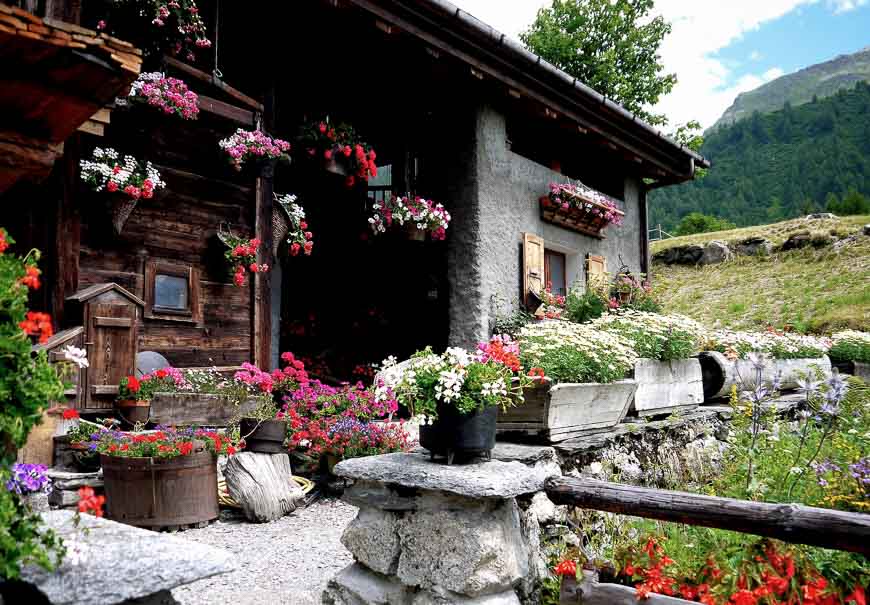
point(775, 166)
point(820, 80)
point(809, 290)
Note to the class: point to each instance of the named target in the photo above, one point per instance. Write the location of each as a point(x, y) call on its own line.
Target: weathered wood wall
point(177, 226)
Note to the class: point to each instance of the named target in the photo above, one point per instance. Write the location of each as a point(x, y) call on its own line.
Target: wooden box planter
point(575, 219)
point(720, 373)
point(202, 409)
point(563, 411)
point(664, 387)
point(161, 492)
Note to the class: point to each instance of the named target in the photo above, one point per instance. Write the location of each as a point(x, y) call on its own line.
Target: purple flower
point(28, 479)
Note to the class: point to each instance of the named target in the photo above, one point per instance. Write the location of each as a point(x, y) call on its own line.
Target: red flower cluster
point(566, 568)
point(770, 578)
point(70, 414)
point(243, 255)
point(501, 349)
point(342, 144)
point(90, 503)
point(31, 277)
point(37, 324)
point(4, 243)
point(536, 373)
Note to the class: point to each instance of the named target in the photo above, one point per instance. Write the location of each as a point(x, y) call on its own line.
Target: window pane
point(555, 269)
point(170, 292)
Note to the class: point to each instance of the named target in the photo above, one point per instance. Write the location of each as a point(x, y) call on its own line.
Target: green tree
point(695, 222)
point(852, 203)
point(609, 45)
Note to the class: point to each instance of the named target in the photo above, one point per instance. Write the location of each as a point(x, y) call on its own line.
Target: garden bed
point(559, 412)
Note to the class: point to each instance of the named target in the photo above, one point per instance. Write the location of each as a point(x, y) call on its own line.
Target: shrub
point(569, 352)
point(850, 345)
point(581, 307)
point(696, 222)
point(654, 336)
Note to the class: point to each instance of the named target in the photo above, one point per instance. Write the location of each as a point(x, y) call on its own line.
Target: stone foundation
point(428, 533)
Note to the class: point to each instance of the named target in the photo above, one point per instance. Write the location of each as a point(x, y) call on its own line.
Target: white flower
point(76, 356)
point(796, 470)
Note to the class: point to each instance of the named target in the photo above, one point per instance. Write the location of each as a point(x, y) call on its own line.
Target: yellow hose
point(225, 499)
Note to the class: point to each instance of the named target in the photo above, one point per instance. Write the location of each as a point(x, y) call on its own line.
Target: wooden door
point(533, 269)
point(111, 351)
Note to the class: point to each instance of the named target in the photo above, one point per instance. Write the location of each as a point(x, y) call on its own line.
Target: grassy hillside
point(820, 80)
point(810, 290)
point(770, 167)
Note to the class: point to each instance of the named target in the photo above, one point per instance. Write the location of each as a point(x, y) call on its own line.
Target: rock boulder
point(715, 252)
point(753, 246)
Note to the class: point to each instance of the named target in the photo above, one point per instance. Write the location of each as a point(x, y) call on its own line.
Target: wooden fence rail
point(789, 522)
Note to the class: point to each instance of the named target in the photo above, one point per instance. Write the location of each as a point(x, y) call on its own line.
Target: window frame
point(193, 313)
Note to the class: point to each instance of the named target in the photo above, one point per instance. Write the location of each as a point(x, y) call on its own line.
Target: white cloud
point(755, 56)
point(707, 85)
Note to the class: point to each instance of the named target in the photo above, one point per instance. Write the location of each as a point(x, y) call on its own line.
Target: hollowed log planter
point(563, 411)
point(664, 387)
point(264, 436)
point(460, 437)
point(720, 373)
point(161, 492)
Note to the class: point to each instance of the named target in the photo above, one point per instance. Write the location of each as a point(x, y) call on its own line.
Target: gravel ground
point(288, 561)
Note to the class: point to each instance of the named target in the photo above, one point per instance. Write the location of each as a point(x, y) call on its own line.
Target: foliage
point(850, 345)
point(341, 143)
point(771, 342)
point(852, 203)
point(170, 95)
point(655, 336)
point(767, 168)
point(630, 291)
point(695, 222)
point(299, 238)
point(569, 352)
point(104, 171)
point(581, 307)
point(27, 384)
point(425, 214)
point(467, 381)
point(511, 323)
point(162, 443)
point(611, 46)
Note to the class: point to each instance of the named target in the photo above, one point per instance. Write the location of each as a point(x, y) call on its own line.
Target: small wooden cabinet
point(73, 377)
point(109, 316)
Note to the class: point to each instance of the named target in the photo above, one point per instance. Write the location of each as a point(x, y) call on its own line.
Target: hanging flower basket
point(280, 227)
point(120, 209)
point(580, 209)
point(241, 254)
point(414, 215)
point(288, 222)
point(340, 150)
point(254, 148)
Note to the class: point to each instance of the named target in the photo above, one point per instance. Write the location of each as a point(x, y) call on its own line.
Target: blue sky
point(720, 48)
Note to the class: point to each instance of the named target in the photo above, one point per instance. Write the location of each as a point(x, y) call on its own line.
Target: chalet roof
point(453, 31)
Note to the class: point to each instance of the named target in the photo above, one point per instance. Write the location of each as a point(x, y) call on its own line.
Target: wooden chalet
point(458, 113)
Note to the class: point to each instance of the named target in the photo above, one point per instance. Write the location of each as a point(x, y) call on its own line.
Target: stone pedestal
point(428, 533)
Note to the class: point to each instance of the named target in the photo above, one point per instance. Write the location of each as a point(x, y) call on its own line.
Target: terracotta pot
point(133, 411)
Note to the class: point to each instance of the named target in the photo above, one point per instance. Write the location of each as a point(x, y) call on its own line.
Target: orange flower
point(31, 277)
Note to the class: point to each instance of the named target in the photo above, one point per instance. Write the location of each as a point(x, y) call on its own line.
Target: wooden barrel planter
point(157, 493)
point(720, 374)
point(264, 436)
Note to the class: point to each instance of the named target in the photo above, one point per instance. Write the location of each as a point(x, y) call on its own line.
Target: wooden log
point(263, 485)
point(789, 522)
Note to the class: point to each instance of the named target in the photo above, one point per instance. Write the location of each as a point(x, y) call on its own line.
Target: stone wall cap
point(138, 562)
point(493, 479)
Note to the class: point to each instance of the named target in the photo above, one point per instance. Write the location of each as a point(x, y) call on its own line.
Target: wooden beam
point(789, 522)
point(225, 110)
point(64, 268)
point(210, 79)
point(262, 288)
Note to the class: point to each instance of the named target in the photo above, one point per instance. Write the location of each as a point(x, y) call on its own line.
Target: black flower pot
point(460, 437)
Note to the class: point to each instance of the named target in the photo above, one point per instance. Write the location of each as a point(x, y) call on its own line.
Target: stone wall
point(495, 201)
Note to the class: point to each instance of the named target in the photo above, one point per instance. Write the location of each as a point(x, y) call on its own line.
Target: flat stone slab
point(493, 479)
point(114, 562)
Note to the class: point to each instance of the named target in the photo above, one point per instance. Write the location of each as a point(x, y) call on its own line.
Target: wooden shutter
point(112, 351)
point(533, 269)
point(596, 270)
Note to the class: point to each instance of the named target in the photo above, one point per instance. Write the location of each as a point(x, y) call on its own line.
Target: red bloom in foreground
point(37, 324)
point(133, 384)
point(566, 568)
point(31, 278)
point(70, 414)
point(90, 502)
point(536, 373)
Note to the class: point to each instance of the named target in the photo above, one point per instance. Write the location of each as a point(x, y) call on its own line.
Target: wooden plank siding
point(178, 226)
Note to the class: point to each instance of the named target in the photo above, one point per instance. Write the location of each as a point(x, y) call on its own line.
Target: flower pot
point(414, 234)
point(564, 411)
point(664, 387)
point(460, 437)
point(264, 436)
point(120, 208)
point(280, 227)
point(133, 411)
point(161, 492)
point(720, 373)
point(335, 167)
point(36, 502)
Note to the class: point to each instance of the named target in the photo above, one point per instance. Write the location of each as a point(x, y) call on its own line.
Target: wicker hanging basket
point(280, 226)
point(121, 207)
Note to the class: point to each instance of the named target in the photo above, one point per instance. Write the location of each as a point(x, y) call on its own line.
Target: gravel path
point(288, 561)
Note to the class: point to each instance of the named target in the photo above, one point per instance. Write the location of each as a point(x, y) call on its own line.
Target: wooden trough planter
point(590, 592)
point(664, 387)
point(156, 493)
point(563, 411)
point(720, 373)
point(197, 408)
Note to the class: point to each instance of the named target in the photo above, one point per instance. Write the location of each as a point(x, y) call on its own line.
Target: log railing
point(788, 522)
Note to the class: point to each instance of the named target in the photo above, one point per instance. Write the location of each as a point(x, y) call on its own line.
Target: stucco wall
point(498, 203)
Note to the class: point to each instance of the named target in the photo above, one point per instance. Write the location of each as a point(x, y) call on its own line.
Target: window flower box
point(580, 209)
point(664, 387)
point(557, 412)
